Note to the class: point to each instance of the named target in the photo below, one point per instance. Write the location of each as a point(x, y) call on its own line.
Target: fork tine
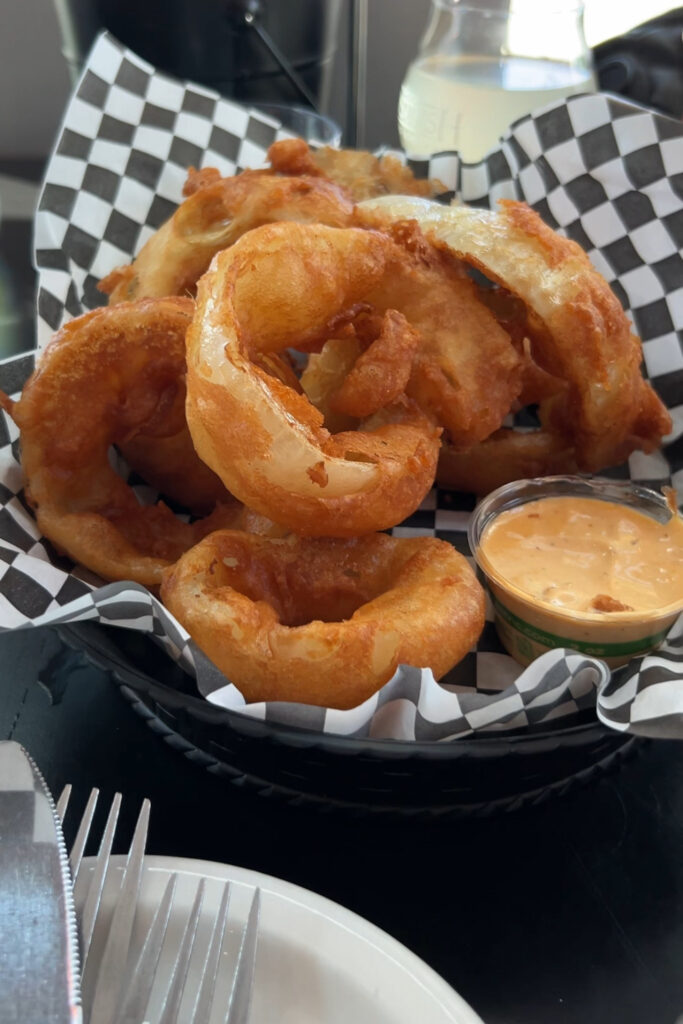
point(110, 976)
point(81, 839)
point(170, 1013)
point(207, 985)
point(242, 986)
point(110, 1004)
point(142, 980)
point(98, 877)
point(63, 801)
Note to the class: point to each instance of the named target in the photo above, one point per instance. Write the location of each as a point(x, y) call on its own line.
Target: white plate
point(316, 962)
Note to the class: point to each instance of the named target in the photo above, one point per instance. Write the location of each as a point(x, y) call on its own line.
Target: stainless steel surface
point(95, 883)
point(169, 985)
point(110, 978)
point(206, 990)
point(170, 1013)
point(39, 967)
point(78, 847)
point(142, 980)
point(113, 994)
point(103, 977)
point(240, 999)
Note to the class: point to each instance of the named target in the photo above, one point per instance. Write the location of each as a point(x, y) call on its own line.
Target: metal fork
point(239, 1000)
point(110, 1002)
point(102, 982)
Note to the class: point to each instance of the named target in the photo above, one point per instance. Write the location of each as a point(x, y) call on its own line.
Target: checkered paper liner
point(605, 172)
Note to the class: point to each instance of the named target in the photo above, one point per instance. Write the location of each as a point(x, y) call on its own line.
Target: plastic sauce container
point(532, 610)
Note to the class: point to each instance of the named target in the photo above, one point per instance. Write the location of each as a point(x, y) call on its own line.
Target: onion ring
point(171, 466)
point(162, 453)
point(278, 287)
point(581, 333)
point(467, 372)
point(214, 216)
point(511, 314)
point(504, 456)
point(359, 171)
point(324, 621)
point(380, 375)
point(323, 375)
point(105, 377)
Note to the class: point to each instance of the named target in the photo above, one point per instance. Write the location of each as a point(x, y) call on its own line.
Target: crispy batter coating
point(380, 375)
point(278, 287)
point(324, 374)
point(216, 213)
point(362, 173)
point(463, 369)
point(170, 465)
point(466, 373)
point(504, 456)
point(105, 377)
point(512, 314)
point(580, 332)
point(303, 186)
point(162, 453)
point(323, 621)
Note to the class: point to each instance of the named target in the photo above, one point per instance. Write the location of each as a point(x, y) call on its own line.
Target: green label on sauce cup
point(525, 642)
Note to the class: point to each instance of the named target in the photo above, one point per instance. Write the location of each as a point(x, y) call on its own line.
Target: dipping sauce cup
point(533, 603)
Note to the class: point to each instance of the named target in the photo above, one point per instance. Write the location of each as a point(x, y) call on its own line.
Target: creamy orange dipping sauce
point(586, 555)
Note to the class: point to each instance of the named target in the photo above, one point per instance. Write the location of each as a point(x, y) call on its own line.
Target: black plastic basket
point(479, 775)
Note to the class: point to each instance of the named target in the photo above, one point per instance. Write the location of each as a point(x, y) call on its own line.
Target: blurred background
point(42, 41)
point(291, 51)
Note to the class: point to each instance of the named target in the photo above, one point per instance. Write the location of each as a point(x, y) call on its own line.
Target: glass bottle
point(482, 65)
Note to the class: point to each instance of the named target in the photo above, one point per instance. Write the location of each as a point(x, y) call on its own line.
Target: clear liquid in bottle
point(465, 103)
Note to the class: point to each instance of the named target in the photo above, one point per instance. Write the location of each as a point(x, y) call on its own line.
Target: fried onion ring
point(216, 214)
point(164, 456)
point(452, 377)
point(162, 453)
point(360, 172)
point(379, 375)
point(170, 465)
point(324, 374)
point(450, 365)
point(279, 287)
point(580, 331)
point(323, 621)
point(511, 314)
point(504, 456)
point(105, 377)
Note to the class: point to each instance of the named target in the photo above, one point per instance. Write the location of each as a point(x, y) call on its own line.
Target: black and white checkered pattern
point(117, 171)
point(606, 173)
point(413, 706)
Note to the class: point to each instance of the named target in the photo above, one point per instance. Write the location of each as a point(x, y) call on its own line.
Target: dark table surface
point(570, 911)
